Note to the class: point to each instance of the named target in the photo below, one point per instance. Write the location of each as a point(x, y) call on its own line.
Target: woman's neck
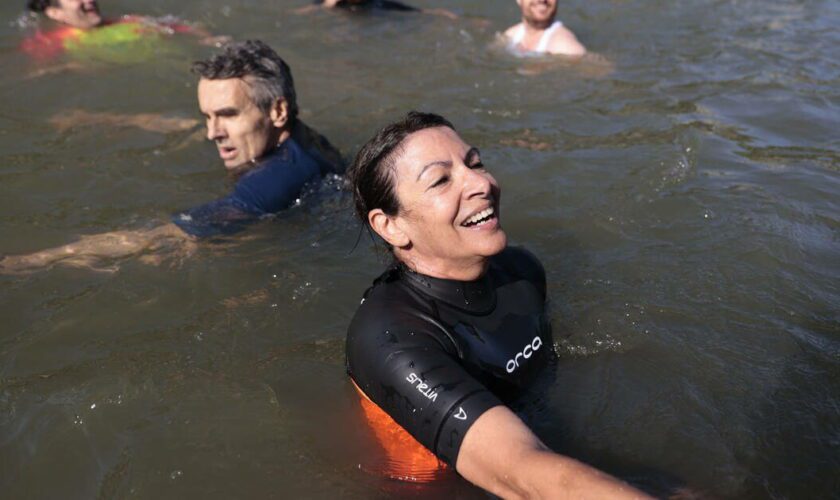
point(468, 270)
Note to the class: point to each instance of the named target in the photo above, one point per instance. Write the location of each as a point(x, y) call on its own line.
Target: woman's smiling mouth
point(482, 218)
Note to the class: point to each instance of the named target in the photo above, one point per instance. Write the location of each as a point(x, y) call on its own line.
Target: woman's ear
point(386, 227)
point(279, 113)
point(55, 13)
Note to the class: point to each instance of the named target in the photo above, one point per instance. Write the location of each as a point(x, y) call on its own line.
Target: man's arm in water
point(500, 454)
point(205, 37)
point(153, 122)
point(564, 42)
point(441, 12)
point(94, 251)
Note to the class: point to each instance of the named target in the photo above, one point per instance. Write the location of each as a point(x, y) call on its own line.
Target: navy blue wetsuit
point(268, 187)
point(436, 354)
point(374, 4)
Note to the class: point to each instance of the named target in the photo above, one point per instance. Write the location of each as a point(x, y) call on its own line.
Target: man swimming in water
point(82, 14)
point(83, 26)
point(539, 32)
point(360, 5)
point(247, 97)
point(374, 4)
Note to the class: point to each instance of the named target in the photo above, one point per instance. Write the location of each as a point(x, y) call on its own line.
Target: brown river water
point(686, 206)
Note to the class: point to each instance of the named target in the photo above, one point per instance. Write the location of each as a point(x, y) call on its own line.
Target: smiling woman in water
point(456, 327)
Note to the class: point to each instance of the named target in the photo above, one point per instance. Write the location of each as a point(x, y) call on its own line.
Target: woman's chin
point(492, 244)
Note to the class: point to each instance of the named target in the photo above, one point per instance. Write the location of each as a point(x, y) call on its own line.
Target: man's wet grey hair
point(266, 73)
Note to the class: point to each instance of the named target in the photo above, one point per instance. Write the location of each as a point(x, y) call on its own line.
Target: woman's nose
point(477, 182)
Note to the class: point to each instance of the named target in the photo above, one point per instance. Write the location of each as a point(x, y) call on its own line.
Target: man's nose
point(214, 130)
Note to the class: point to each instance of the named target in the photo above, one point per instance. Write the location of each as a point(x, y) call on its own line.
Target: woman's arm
point(500, 454)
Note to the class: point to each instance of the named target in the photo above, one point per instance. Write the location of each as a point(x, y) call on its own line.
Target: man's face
point(538, 13)
point(241, 130)
point(82, 14)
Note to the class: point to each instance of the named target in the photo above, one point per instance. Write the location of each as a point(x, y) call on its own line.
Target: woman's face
point(449, 204)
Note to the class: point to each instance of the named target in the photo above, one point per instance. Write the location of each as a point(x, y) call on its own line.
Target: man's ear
point(386, 227)
point(279, 113)
point(54, 13)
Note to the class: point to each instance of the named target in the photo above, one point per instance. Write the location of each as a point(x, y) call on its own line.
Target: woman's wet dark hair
point(40, 5)
point(371, 173)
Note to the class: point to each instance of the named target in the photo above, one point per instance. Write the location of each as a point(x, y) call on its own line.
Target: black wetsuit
point(374, 4)
point(436, 354)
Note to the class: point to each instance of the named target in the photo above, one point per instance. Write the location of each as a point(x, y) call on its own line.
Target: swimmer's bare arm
point(307, 9)
point(510, 32)
point(57, 68)
point(93, 250)
point(441, 12)
point(205, 37)
point(564, 42)
point(153, 122)
point(501, 455)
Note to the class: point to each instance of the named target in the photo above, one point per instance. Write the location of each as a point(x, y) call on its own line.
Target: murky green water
point(685, 207)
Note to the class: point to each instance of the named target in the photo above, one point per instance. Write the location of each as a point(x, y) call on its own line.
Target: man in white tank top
point(539, 32)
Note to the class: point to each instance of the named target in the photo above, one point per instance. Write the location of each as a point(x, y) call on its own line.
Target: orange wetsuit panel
point(407, 459)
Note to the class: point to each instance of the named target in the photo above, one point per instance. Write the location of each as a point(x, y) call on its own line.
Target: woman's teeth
point(480, 217)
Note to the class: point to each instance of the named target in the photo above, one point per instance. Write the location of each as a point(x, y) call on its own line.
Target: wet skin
point(241, 130)
point(83, 14)
point(448, 222)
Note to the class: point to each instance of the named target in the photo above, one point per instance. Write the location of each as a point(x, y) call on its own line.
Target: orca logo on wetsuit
point(526, 353)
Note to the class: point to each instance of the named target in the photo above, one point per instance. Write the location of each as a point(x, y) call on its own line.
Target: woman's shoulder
point(388, 301)
point(391, 308)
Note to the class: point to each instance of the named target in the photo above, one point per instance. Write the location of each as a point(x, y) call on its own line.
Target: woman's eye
point(441, 181)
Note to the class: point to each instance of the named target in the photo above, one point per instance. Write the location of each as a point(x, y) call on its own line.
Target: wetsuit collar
point(477, 296)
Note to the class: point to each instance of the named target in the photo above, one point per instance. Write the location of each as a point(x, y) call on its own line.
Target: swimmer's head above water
point(540, 33)
point(83, 14)
point(424, 190)
point(247, 96)
point(335, 3)
point(538, 14)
